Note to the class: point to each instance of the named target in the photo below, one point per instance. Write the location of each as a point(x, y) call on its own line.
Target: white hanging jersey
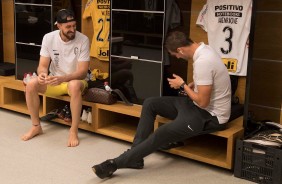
point(227, 23)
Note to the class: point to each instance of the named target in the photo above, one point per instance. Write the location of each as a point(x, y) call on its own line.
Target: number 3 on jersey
point(228, 39)
point(230, 63)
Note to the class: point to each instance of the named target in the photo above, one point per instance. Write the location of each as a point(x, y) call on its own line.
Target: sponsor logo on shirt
point(228, 13)
point(190, 128)
point(231, 64)
point(75, 50)
point(103, 52)
point(56, 58)
point(103, 4)
point(103, 1)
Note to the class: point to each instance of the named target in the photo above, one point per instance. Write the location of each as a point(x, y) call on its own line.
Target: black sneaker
point(62, 113)
point(50, 115)
point(67, 117)
point(105, 169)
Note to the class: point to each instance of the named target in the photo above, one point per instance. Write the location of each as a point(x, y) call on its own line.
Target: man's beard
point(69, 37)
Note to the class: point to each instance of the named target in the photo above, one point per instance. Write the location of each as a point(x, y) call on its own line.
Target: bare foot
point(34, 131)
point(73, 139)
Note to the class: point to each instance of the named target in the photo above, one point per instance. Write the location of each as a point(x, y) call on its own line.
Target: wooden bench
point(120, 122)
point(216, 148)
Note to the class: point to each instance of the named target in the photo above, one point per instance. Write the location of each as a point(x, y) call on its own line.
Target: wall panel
point(8, 30)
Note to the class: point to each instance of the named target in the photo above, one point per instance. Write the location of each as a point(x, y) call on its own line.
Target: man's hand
point(54, 80)
point(176, 82)
point(41, 78)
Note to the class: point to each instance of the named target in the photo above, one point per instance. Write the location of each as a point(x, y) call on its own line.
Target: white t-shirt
point(208, 69)
point(64, 55)
point(227, 23)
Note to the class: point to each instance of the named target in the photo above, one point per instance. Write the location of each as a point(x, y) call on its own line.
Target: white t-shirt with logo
point(64, 55)
point(208, 69)
point(227, 23)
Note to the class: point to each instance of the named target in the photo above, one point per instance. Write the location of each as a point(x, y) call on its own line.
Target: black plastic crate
point(258, 163)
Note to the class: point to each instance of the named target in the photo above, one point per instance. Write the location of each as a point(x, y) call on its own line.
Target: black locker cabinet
point(33, 19)
point(137, 33)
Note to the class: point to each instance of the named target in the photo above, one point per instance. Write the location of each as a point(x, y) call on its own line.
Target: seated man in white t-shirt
point(66, 53)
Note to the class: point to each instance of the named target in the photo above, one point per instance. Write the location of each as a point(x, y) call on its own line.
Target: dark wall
point(265, 68)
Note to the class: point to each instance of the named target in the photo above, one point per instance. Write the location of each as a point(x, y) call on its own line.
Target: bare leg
point(33, 103)
point(76, 106)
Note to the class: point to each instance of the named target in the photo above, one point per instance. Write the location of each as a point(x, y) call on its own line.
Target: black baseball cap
point(63, 15)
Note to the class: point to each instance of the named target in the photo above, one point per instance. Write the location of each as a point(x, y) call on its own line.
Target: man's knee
point(75, 87)
point(32, 86)
point(159, 137)
point(150, 101)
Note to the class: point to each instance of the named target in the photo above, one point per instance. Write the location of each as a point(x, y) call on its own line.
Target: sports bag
point(99, 95)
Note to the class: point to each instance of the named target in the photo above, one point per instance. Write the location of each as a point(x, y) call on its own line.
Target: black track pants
point(187, 120)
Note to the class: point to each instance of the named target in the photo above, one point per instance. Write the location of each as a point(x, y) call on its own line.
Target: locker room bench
point(215, 148)
point(120, 121)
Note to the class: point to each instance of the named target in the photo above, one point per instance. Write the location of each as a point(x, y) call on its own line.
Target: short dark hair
point(177, 39)
point(63, 15)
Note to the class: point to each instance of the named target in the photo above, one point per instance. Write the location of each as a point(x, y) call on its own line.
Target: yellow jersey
point(99, 11)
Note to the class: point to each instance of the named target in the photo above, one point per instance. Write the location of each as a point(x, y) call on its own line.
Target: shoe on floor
point(89, 116)
point(50, 115)
point(105, 169)
point(62, 113)
point(84, 115)
point(67, 117)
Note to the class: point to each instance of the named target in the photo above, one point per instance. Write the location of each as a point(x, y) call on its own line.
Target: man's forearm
point(41, 70)
point(192, 94)
point(202, 97)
